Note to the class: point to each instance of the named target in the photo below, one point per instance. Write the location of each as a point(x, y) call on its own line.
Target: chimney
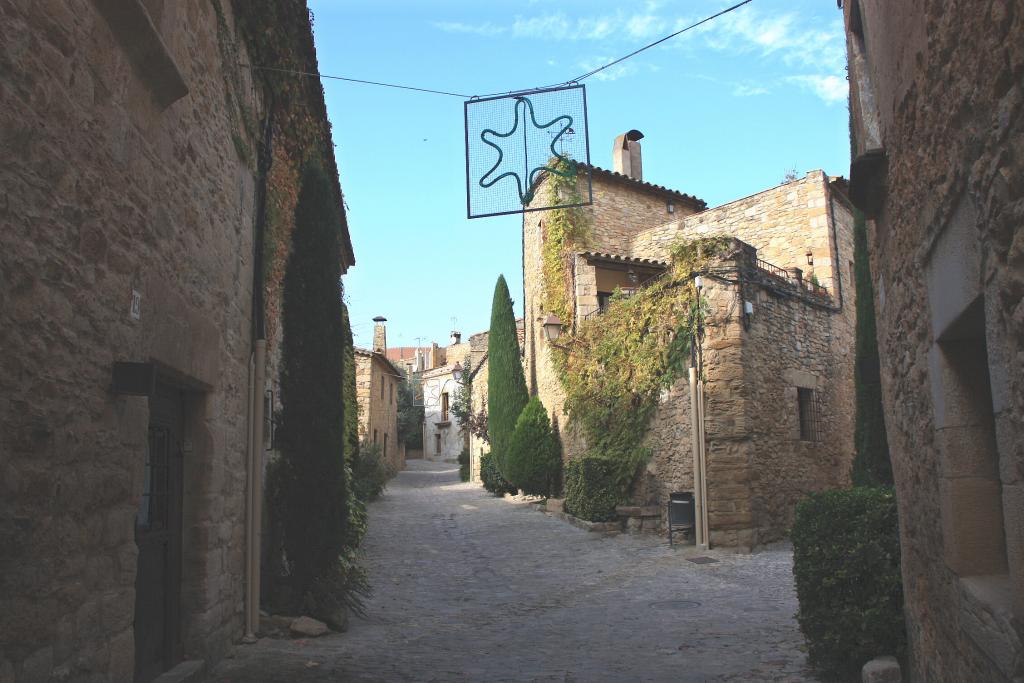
point(456, 337)
point(380, 336)
point(626, 155)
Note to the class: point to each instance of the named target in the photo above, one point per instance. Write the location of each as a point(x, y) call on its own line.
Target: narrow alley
point(469, 587)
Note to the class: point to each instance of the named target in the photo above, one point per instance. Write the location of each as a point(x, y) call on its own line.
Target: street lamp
point(698, 282)
point(457, 372)
point(552, 327)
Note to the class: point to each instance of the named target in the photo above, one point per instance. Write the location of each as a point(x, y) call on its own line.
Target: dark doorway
point(158, 537)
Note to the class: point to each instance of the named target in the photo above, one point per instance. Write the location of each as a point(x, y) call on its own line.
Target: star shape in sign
point(520, 135)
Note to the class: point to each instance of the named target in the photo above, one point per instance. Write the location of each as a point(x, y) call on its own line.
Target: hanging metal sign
point(514, 141)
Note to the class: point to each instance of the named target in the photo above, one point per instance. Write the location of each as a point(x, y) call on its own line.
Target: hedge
point(491, 476)
point(846, 562)
point(591, 488)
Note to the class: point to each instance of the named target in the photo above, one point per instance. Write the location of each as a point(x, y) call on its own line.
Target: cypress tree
point(312, 469)
point(506, 384)
point(871, 465)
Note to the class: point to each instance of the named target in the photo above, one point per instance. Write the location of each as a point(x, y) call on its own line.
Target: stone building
point(443, 437)
point(377, 386)
point(778, 352)
point(132, 324)
point(937, 108)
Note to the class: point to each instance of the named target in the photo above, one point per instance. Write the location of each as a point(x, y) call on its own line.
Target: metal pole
point(695, 437)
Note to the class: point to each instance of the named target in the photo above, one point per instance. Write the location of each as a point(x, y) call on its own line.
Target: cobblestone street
point(469, 587)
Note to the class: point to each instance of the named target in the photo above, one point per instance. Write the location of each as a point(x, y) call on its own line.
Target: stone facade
point(937, 112)
point(758, 464)
point(377, 386)
point(127, 235)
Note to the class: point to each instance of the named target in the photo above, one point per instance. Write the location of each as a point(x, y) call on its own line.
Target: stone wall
point(377, 386)
point(110, 189)
point(938, 87)
point(783, 223)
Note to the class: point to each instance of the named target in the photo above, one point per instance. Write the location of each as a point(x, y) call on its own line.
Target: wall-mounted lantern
point(457, 372)
point(552, 327)
point(810, 257)
point(698, 282)
point(670, 207)
point(631, 274)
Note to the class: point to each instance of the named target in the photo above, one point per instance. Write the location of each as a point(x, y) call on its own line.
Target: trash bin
point(680, 513)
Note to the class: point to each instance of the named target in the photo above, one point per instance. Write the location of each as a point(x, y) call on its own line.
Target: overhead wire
point(506, 92)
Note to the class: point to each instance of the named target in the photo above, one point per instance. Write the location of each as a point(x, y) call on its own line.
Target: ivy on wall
point(614, 366)
point(565, 230)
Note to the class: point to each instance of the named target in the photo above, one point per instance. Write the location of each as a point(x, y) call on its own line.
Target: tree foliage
point(506, 383)
point(410, 417)
point(534, 459)
point(871, 464)
point(312, 486)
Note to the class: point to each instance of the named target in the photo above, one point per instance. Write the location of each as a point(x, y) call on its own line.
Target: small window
point(382, 391)
point(808, 405)
point(385, 452)
point(392, 391)
point(437, 443)
point(444, 407)
point(375, 436)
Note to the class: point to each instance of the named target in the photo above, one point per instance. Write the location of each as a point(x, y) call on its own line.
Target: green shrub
point(592, 489)
point(491, 476)
point(464, 465)
point(534, 461)
point(369, 472)
point(846, 561)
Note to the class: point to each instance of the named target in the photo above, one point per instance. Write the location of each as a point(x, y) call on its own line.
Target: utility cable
point(510, 92)
point(356, 80)
point(659, 41)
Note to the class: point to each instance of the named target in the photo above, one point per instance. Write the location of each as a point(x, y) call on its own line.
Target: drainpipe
point(255, 527)
point(254, 493)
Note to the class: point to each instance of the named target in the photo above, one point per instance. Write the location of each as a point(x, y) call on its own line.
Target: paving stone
point(469, 587)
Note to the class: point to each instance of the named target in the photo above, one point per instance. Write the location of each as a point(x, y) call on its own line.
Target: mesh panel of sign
point(512, 141)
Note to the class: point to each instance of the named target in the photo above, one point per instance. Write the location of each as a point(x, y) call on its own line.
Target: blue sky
point(726, 109)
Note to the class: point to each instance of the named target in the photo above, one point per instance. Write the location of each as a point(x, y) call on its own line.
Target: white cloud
point(831, 89)
point(747, 90)
point(484, 29)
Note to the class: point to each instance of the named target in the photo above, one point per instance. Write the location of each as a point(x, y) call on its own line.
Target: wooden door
point(158, 537)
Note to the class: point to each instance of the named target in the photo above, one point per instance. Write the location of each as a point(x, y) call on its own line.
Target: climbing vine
point(564, 229)
point(615, 365)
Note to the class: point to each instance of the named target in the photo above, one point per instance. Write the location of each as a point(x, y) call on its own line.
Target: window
point(375, 436)
point(385, 451)
point(444, 407)
point(392, 390)
point(382, 390)
point(437, 443)
point(808, 406)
